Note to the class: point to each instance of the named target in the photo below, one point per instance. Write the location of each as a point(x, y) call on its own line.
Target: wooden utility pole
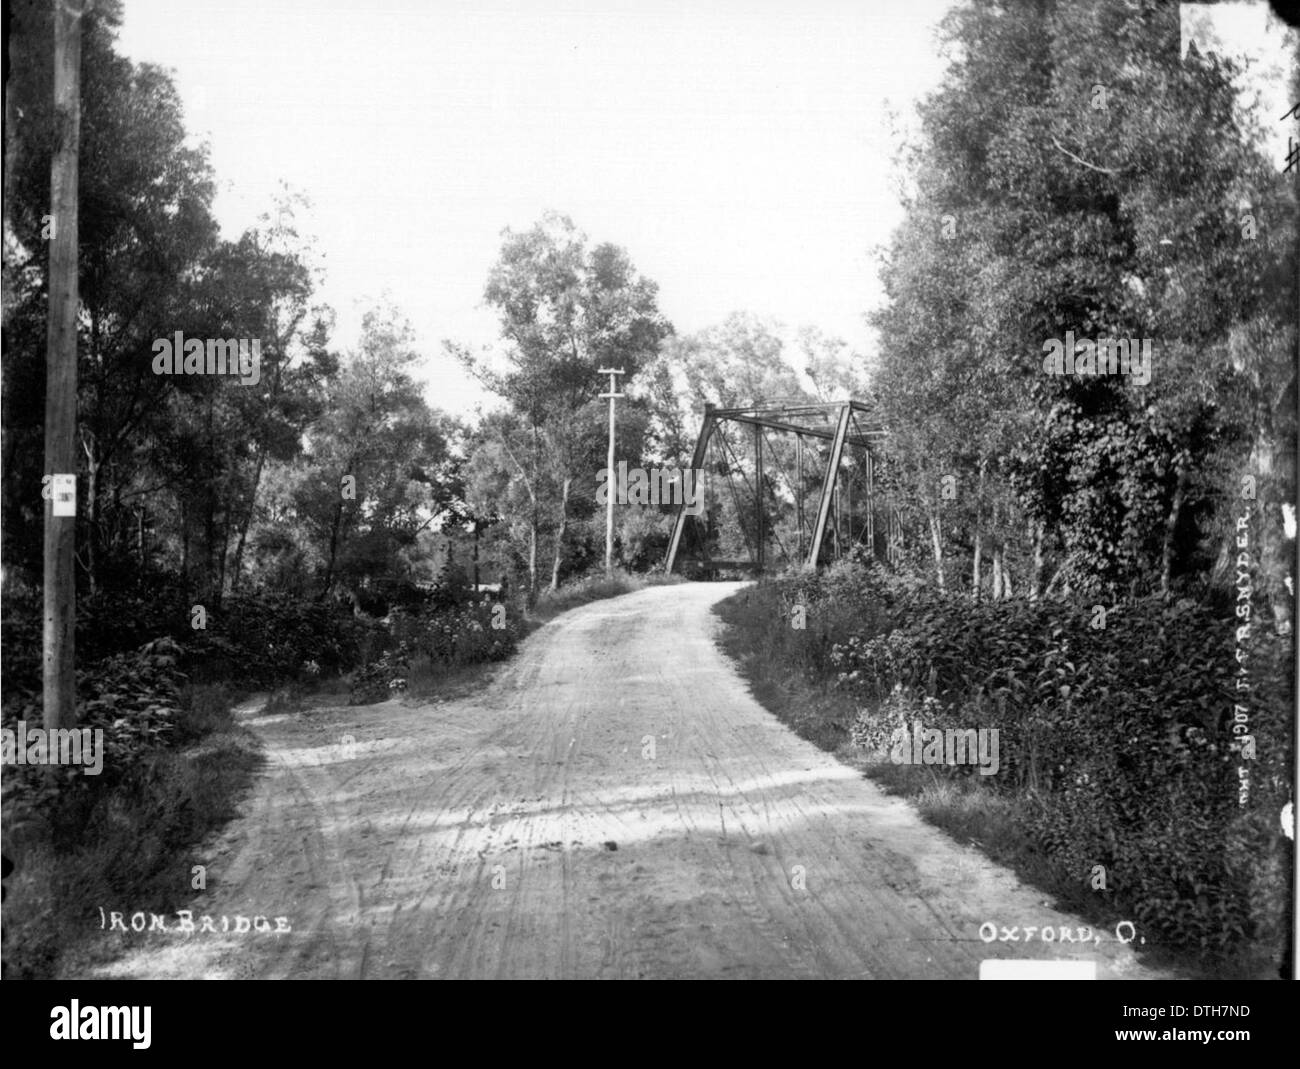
point(59, 676)
point(612, 483)
point(760, 537)
point(477, 526)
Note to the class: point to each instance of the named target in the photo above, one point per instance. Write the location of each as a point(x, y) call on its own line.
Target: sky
point(742, 151)
point(1252, 34)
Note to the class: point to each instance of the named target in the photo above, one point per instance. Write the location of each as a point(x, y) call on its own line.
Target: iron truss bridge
point(786, 484)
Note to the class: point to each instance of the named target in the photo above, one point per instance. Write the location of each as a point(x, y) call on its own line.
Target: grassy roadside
point(128, 845)
point(823, 715)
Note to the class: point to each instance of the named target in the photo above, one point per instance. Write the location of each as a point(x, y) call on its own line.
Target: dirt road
point(613, 805)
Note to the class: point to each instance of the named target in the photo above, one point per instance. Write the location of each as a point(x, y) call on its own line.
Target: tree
point(167, 466)
point(378, 469)
point(565, 311)
point(144, 223)
point(1075, 174)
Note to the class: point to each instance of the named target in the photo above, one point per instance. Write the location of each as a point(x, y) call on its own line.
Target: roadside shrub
point(134, 698)
point(20, 643)
point(1115, 734)
point(449, 635)
point(472, 634)
point(257, 639)
point(268, 638)
point(383, 678)
point(876, 730)
point(204, 709)
point(126, 834)
point(114, 621)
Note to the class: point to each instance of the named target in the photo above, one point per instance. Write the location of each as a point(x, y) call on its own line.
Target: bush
point(383, 678)
point(450, 635)
point(204, 709)
point(127, 834)
point(1115, 740)
point(134, 698)
point(258, 639)
point(269, 638)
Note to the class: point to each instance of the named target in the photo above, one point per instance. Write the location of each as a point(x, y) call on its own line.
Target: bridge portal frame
point(796, 419)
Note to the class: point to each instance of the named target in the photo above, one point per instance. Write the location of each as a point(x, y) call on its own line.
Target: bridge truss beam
point(839, 423)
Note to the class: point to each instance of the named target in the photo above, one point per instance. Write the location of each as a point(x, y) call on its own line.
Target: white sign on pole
point(64, 495)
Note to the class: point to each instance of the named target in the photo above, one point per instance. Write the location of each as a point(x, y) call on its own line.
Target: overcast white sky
point(738, 149)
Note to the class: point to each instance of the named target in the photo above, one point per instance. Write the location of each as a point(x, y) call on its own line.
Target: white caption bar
point(1020, 969)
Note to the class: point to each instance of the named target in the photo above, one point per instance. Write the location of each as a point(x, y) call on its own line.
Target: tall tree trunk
point(185, 545)
point(1277, 550)
point(1171, 526)
point(335, 526)
point(1000, 554)
point(210, 595)
point(272, 393)
point(936, 542)
point(238, 564)
point(530, 596)
point(477, 524)
point(532, 562)
point(536, 525)
point(1036, 577)
point(559, 536)
point(94, 461)
point(92, 522)
point(139, 542)
point(219, 588)
point(979, 542)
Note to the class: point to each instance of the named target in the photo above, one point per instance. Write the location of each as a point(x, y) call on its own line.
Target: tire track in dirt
point(523, 833)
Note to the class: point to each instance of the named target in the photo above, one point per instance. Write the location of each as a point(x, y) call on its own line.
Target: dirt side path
point(530, 832)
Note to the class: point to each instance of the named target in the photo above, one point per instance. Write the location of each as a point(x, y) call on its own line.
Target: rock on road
point(530, 831)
